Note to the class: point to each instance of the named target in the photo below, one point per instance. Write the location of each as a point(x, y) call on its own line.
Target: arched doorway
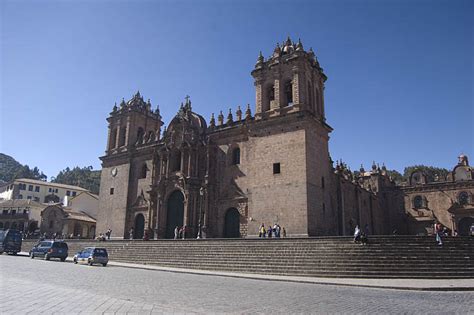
point(139, 226)
point(464, 226)
point(175, 213)
point(232, 224)
point(77, 230)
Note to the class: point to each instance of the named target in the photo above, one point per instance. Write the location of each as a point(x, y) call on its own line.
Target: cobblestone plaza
point(46, 287)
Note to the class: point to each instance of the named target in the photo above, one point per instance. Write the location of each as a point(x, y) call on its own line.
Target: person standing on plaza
point(438, 231)
point(261, 231)
point(356, 234)
point(269, 231)
point(283, 232)
point(131, 233)
point(176, 232)
point(109, 231)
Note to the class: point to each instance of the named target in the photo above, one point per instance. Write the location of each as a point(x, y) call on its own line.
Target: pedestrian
point(366, 229)
point(131, 233)
point(278, 230)
point(176, 232)
point(455, 233)
point(356, 234)
point(363, 239)
point(185, 227)
point(261, 231)
point(438, 230)
point(269, 231)
point(283, 232)
point(145, 236)
point(109, 231)
point(54, 236)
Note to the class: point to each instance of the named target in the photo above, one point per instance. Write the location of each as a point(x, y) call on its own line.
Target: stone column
point(258, 97)
point(296, 88)
point(275, 104)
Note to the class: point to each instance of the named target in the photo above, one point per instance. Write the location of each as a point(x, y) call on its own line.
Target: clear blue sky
point(400, 87)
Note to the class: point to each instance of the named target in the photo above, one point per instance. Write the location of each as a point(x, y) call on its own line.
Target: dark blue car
point(50, 249)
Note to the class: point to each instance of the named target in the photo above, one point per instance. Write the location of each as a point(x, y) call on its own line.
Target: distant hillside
point(11, 169)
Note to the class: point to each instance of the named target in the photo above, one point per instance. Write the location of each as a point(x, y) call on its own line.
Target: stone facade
point(225, 178)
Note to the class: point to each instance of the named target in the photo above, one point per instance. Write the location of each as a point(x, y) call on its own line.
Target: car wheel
point(89, 262)
point(1, 253)
point(32, 255)
point(104, 264)
point(63, 259)
point(75, 260)
point(46, 257)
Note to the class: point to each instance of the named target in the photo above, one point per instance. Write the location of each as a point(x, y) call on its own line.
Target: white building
point(39, 191)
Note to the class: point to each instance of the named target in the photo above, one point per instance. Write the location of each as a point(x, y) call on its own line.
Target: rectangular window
point(37, 188)
point(111, 191)
point(276, 168)
point(29, 197)
point(74, 194)
point(13, 211)
point(5, 211)
point(22, 186)
point(30, 187)
point(37, 199)
point(56, 190)
point(50, 189)
point(68, 193)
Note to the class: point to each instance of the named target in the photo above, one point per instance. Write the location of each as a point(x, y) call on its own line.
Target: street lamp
point(201, 193)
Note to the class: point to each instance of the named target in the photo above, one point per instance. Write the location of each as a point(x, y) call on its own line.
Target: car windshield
point(45, 244)
point(100, 252)
point(59, 245)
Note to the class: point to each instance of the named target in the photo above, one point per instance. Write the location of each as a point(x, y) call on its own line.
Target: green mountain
point(11, 169)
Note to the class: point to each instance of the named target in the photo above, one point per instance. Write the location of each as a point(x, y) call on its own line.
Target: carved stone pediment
point(141, 201)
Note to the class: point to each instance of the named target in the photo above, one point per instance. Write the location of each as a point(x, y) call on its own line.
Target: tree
point(84, 177)
point(431, 172)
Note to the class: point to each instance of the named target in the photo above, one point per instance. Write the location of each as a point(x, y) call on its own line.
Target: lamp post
point(201, 194)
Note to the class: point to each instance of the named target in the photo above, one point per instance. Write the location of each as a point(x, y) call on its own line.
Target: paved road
point(38, 286)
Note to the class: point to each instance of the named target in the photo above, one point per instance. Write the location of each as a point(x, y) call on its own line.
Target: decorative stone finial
point(115, 107)
point(248, 113)
point(238, 113)
point(374, 166)
point(230, 118)
point(260, 60)
point(220, 119)
point(362, 170)
point(299, 46)
point(212, 122)
point(122, 103)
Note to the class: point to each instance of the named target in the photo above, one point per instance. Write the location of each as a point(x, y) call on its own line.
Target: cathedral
point(269, 164)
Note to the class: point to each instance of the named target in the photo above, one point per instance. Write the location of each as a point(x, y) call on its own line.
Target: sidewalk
point(383, 283)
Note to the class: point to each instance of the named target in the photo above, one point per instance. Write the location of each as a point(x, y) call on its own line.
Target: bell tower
point(290, 80)
point(132, 123)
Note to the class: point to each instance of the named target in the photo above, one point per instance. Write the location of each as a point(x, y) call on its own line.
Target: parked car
point(92, 255)
point(10, 241)
point(50, 249)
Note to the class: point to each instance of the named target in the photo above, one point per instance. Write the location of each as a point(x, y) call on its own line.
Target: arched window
point(463, 198)
point(176, 161)
point(236, 156)
point(289, 93)
point(270, 92)
point(140, 134)
point(123, 135)
point(143, 171)
point(113, 139)
point(316, 98)
point(418, 202)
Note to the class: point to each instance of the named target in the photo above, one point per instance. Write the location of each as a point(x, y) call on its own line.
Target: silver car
point(92, 255)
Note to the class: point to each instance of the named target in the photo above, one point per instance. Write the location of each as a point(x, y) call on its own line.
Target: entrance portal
point(464, 226)
point(175, 213)
point(232, 224)
point(139, 226)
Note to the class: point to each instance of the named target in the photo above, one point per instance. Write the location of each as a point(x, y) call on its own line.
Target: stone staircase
point(383, 257)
